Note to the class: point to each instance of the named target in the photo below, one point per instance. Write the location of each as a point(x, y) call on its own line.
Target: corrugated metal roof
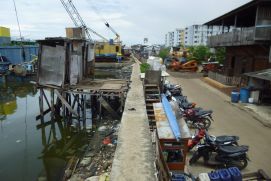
point(262, 74)
point(253, 3)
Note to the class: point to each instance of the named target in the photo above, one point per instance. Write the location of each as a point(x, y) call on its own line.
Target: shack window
point(117, 48)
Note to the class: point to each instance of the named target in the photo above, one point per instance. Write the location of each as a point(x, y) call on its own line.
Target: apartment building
point(192, 35)
point(169, 39)
point(197, 34)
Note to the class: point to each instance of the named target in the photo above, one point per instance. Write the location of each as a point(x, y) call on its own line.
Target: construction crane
point(117, 39)
point(77, 19)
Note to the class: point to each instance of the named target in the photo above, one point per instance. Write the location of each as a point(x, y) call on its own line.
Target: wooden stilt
point(66, 103)
point(41, 105)
point(45, 97)
point(108, 108)
point(84, 111)
point(52, 104)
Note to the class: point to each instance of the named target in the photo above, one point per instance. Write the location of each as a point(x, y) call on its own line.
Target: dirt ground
point(229, 120)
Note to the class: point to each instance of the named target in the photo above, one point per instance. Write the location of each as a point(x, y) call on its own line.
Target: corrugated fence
point(226, 80)
point(15, 53)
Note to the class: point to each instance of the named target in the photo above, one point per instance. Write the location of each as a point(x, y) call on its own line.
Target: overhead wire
point(19, 27)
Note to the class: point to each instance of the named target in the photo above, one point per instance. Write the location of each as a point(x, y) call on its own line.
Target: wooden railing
point(240, 36)
point(226, 80)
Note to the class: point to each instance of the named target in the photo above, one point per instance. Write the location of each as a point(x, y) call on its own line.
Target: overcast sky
point(132, 19)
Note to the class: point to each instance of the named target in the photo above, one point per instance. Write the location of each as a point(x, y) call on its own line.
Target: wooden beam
point(108, 108)
point(43, 113)
point(44, 95)
point(66, 103)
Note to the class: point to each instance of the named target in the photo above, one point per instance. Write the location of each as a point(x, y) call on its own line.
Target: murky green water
point(26, 152)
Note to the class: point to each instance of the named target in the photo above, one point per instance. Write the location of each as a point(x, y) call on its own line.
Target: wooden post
point(84, 111)
point(41, 105)
point(100, 108)
point(52, 104)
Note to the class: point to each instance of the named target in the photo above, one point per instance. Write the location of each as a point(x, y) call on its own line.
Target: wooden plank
point(43, 113)
point(108, 108)
point(43, 125)
point(66, 103)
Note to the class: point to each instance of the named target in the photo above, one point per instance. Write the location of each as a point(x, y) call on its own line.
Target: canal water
point(28, 152)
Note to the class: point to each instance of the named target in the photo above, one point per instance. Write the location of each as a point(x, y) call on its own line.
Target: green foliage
point(199, 53)
point(144, 67)
point(164, 52)
point(202, 53)
point(220, 54)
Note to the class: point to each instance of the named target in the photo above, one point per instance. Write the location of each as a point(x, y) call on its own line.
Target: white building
point(178, 37)
point(169, 39)
point(198, 34)
point(174, 38)
point(192, 35)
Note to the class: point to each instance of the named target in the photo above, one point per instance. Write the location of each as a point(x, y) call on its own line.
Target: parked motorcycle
point(197, 117)
point(203, 135)
point(174, 89)
point(221, 156)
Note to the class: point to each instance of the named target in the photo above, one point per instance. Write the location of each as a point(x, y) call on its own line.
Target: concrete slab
point(134, 156)
point(259, 112)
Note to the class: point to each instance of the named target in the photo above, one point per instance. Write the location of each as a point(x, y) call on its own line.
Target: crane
point(77, 19)
point(117, 35)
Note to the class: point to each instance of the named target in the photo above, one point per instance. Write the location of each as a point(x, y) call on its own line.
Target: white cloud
point(133, 20)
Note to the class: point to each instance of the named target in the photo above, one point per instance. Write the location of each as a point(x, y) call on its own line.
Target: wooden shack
point(248, 45)
point(65, 68)
point(64, 61)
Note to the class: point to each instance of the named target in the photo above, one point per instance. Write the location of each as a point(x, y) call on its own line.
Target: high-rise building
point(192, 35)
point(178, 37)
point(174, 38)
point(169, 39)
point(197, 34)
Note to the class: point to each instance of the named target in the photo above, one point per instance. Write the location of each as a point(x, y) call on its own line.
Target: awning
point(262, 74)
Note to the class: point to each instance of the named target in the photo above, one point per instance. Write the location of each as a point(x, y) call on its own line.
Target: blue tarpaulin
point(171, 117)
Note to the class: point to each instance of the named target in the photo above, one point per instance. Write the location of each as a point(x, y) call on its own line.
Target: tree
point(220, 54)
point(164, 52)
point(199, 53)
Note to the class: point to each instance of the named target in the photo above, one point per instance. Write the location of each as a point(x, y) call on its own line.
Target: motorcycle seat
point(202, 112)
point(233, 149)
point(187, 105)
point(223, 139)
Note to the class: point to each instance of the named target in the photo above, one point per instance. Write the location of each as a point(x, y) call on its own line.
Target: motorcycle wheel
point(194, 158)
point(204, 123)
point(240, 164)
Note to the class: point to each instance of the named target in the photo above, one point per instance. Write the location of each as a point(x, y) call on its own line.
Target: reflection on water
point(29, 150)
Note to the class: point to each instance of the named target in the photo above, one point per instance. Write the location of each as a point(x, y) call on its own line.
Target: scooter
point(203, 135)
point(221, 156)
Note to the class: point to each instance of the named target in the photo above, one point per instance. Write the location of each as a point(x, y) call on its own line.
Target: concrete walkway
point(134, 158)
point(229, 120)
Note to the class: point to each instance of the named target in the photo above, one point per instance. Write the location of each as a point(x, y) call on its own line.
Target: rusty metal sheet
point(163, 128)
point(75, 69)
point(52, 65)
point(91, 53)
